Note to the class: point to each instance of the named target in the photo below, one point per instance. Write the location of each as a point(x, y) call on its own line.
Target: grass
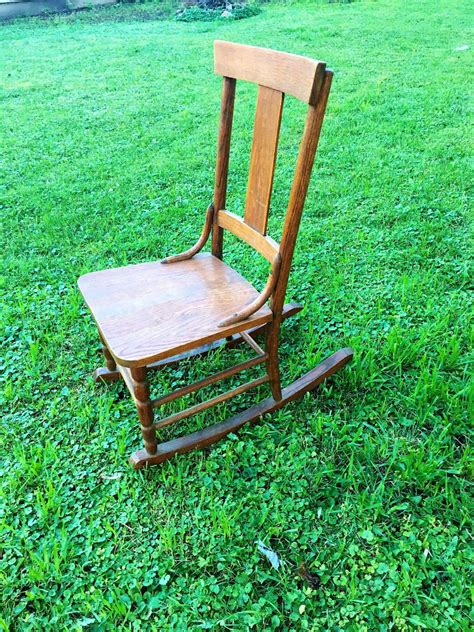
point(108, 143)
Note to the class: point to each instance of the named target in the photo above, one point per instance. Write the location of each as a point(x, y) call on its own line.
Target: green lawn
point(107, 136)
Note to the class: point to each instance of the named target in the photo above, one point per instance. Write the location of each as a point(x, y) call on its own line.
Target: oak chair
point(155, 314)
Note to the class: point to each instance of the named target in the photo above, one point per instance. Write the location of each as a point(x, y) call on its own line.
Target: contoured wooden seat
point(153, 314)
point(150, 311)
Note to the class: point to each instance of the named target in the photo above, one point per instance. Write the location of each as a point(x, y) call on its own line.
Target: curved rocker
point(212, 434)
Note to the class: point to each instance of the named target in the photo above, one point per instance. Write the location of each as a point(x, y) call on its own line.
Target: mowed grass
point(108, 135)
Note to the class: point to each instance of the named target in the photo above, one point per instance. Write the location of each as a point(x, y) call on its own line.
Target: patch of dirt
point(98, 15)
point(110, 14)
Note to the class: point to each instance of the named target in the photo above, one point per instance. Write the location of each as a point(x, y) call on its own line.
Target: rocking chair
point(155, 314)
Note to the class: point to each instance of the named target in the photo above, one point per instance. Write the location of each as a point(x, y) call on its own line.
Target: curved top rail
point(299, 76)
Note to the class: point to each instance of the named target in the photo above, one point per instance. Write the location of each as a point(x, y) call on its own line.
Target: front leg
point(141, 392)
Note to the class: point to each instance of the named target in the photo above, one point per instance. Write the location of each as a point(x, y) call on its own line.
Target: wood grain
point(309, 144)
point(246, 310)
point(154, 314)
point(199, 245)
point(304, 166)
point(266, 246)
point(263, 157)
point(144, 408)
point(109, 359)
point(206, 381)
point(127, 378)
point(150, 311)
point(103, 375)
point(253, 344)
point(292, 74)
point(222, 160)
point(229, 342)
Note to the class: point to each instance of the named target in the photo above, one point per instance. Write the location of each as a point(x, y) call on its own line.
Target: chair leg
point(109, 360)
point(144, 408)
point(108, 373)
point(211, 434)
point(273, 366)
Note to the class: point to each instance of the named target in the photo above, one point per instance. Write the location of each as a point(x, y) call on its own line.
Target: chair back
point(276, 74)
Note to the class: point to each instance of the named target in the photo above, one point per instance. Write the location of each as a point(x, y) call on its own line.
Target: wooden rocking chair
point(155, 314)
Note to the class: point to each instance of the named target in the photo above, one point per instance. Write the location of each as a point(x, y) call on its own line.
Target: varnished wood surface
point(222, 159)
point(141, 395)
point(246, 310)
point(266, 246)
point(263, 157)
point(292, 74)
point(230, 342)
point(109, 360)
point(156, 314)
point(199, 245)
point(150, 311)
point(253, 344)
point(127, 378)
point(103, 374)
point(212, 434)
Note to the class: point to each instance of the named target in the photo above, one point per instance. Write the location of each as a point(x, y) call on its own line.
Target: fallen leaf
point(271, 556)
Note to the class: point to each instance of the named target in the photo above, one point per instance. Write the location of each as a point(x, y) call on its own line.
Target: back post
point(307, 152)
point(304, 165)
point(222, 163)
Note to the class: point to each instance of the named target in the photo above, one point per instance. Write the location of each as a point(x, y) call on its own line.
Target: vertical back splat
point(263, 157)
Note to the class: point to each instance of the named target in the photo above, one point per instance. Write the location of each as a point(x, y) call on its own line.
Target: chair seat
point(151, 311)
